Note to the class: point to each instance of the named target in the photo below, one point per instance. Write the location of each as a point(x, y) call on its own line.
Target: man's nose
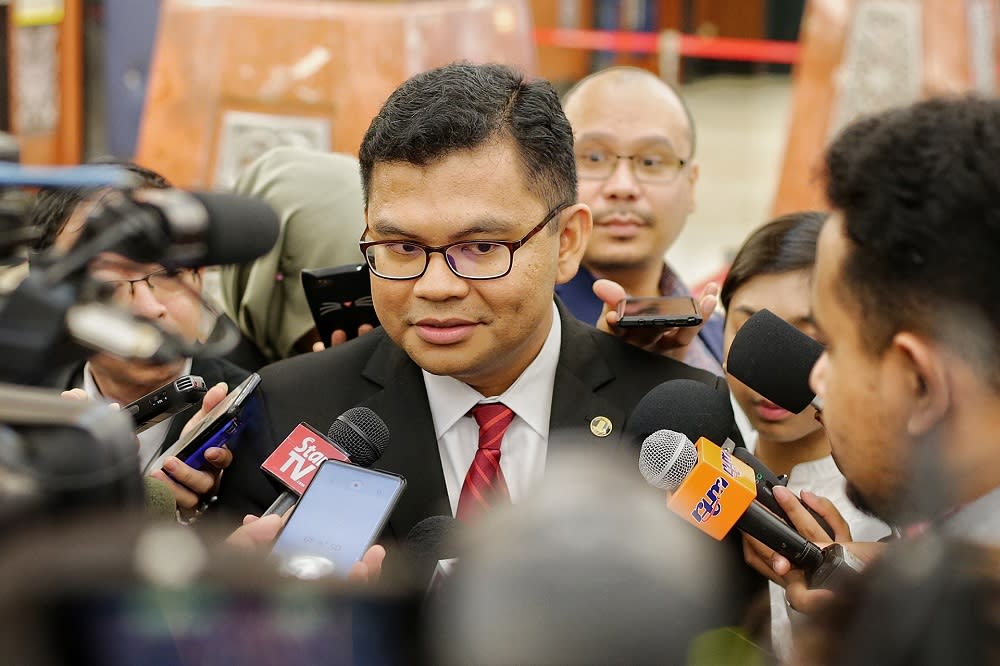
point(144, 301)
point(621, 183)
point(439, 282)
point(817, 376)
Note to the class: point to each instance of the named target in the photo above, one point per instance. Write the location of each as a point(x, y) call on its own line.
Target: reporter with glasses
point(171, 299)
point(634, 143)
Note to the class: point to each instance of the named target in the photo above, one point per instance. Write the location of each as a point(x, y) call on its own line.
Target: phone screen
point(337, 519)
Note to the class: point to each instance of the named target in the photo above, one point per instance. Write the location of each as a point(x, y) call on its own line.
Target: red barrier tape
point(712, 48)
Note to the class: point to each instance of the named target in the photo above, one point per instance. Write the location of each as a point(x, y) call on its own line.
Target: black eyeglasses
point(473, 260)
point(164, 282)
point(648, 166)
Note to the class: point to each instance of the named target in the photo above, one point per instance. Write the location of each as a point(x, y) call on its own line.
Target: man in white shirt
point(470, 185)
point(905, 296)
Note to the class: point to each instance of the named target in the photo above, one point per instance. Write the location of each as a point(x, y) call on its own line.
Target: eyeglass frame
point(681, 163)
point(145, 278)
point(512, 247)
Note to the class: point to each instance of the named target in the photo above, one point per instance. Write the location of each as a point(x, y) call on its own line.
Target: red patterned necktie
point(484, 483)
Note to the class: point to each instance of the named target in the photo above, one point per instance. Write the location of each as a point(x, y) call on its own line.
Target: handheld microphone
point(774, 359)
point(697, 410)
point(357, 436)
point(430, 548)
point(683, 405)
point(715, 492)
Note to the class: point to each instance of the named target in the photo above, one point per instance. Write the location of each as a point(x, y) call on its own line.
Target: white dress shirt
point(524, 445)
point(151, 440)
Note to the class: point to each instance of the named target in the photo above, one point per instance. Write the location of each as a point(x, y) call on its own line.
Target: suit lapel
point(576, 404)
point(413, 450)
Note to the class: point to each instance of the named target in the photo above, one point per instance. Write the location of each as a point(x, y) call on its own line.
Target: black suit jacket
point(597, 375)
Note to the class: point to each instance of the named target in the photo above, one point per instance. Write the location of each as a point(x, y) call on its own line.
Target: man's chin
point(137, 373)
point(608, 264)
point(858, 500)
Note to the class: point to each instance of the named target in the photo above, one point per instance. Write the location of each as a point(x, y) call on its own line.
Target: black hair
point(53, 206)
point(462, 106)
point(636, 71)
point(919, 192)
point(786, 243)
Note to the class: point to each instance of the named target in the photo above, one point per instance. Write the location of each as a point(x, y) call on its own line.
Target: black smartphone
point(164, 402)
point(337, 519)
point(658, 312)
point(216, 429)
point(339, 298)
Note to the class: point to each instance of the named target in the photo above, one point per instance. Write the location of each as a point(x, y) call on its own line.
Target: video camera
point(53, 452)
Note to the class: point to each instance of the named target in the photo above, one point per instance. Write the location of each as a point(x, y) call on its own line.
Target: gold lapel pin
point(601, 426)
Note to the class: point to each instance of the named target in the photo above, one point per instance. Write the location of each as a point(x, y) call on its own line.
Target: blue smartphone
point(219, 426)
point(337, 519)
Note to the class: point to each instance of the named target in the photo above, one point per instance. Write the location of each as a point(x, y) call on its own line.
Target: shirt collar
point(530, 396)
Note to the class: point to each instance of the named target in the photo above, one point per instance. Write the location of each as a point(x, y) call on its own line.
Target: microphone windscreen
point(361, 434)
point(240, 228)
point(774, 359)
point(431, 540)
point(689, 407)
point(160, 501)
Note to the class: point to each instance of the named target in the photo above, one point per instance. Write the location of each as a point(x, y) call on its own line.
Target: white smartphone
point(336, 520)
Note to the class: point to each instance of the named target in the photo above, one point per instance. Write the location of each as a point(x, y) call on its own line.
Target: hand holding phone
point(337, 519)
point(340, 299)
point(216, 429)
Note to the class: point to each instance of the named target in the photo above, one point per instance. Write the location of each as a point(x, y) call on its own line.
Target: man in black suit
point(472, 219)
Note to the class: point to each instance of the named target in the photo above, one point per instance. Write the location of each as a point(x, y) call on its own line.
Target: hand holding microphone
point(716, 492)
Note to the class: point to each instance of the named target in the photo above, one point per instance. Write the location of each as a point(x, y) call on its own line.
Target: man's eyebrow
point(806, 319)
point(487, 228)
point(643, 141)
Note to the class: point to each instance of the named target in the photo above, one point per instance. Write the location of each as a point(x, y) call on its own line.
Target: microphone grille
point(362, 434)
point(666, 458)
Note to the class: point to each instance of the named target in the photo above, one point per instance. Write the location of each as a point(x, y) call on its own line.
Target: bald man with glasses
point(634, 144)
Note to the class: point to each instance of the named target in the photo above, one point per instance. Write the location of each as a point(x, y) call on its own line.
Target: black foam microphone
point(430, 541)
point(774, 359)
point(160, 501)
point(686, 406)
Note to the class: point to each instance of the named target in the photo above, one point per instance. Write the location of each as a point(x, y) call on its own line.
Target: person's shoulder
point(215, 369)
point(624, 356)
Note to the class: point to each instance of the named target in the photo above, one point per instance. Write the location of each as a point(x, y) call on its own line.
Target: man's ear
point(574, 232)
point(692, 175)
point(927, 380)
